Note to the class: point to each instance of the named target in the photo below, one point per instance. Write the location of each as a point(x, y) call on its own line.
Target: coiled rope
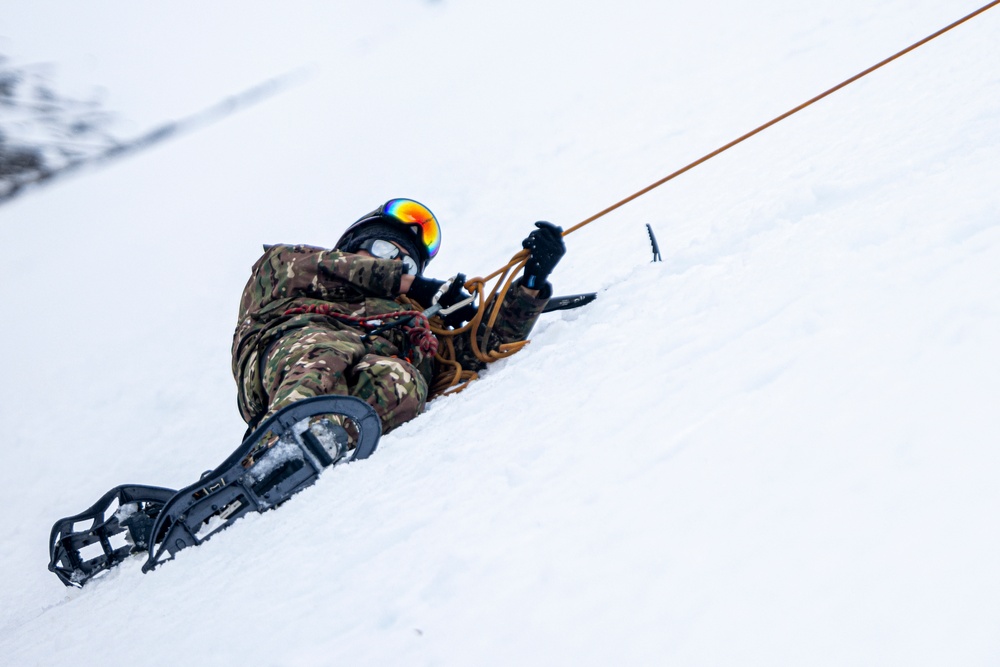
point(453, 378)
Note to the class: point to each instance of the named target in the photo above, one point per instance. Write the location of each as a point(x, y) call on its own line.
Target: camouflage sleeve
point(518, 314)
point(287, 271)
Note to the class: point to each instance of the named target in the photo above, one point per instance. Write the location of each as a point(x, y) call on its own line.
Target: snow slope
point(778, 446)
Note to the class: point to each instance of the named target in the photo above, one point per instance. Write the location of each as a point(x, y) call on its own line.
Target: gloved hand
point(456, 293)
point(423, 290)
point(547, 248)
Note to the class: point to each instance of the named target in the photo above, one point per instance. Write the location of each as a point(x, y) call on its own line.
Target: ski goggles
point(415, 214)
point(389, 250)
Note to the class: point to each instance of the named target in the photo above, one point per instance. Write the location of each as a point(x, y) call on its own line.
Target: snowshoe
point(282, 456)
point(120, 524)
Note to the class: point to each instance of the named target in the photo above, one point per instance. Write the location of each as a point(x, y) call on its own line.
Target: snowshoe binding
point(282, 456)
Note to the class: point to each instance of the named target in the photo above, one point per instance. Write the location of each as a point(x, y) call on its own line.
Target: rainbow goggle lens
point(411, 212)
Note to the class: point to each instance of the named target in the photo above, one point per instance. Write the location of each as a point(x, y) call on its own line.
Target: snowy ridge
point(778, 446)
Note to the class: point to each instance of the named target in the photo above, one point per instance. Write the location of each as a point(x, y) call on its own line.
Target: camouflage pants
point(318, 361)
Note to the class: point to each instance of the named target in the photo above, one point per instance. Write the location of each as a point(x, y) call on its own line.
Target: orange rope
point(508, 272)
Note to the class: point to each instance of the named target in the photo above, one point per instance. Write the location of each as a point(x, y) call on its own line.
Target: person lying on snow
point(300, 330)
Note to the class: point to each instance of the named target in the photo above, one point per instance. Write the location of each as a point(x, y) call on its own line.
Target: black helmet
point(404, 221)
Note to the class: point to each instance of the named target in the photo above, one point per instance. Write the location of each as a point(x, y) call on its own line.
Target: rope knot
point(421, 337)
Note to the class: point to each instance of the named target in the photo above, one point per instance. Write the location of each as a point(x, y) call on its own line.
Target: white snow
point(777, 447)
point(272, 458)
point(125, 511)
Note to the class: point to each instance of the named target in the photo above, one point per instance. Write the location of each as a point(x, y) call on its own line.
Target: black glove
point(423, 290)
point(547, 248)
point(456, 292)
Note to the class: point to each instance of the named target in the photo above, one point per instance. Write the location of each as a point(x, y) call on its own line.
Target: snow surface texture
point(777, 447)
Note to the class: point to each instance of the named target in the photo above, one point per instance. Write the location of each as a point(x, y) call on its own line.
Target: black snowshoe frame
point(120, 524)
point(280, 458)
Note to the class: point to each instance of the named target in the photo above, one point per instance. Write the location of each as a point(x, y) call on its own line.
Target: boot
point(336, 434)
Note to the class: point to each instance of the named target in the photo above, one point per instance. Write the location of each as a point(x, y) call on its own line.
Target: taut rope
point(509, 272)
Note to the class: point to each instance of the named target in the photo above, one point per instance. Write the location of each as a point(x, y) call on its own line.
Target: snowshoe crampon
point(283, 455)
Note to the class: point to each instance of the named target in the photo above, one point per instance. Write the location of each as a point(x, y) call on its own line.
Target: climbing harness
point(413, 322)
point(453, 378)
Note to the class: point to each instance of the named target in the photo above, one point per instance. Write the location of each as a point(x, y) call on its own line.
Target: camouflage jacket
point(293, 276)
